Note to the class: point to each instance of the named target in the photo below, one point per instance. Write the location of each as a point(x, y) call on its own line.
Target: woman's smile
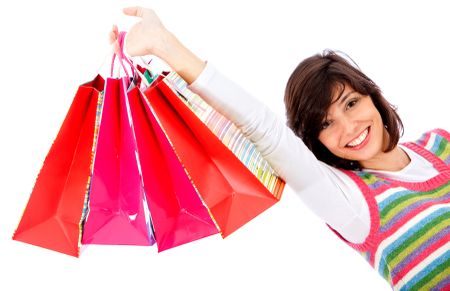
point(359, 142)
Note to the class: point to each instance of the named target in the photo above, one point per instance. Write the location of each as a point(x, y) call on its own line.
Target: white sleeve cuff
point(203, 79)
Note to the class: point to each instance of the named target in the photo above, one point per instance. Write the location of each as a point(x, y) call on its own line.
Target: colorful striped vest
point(409, 239)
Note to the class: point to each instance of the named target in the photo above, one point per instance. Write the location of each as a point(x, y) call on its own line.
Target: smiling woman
point(340, 154)
point(334, 107)
point(343, 118)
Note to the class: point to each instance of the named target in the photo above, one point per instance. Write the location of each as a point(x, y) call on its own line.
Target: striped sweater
point(409, 239)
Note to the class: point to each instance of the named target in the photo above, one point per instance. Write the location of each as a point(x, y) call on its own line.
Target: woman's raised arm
point(316, 184)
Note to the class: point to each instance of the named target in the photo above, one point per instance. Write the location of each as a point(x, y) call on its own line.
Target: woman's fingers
point(113, 39)
point(113, 34)
point(146, 35)
point(134, 11)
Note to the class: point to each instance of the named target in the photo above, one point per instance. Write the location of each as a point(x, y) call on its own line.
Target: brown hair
point(309, 93)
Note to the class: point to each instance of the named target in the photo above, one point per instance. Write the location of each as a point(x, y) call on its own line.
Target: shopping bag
point(177, 213)
point(229, 134)
point(230, 191)
point(117, 207)
point(53, 216)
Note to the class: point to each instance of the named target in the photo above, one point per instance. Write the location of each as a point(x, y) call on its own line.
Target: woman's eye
point(352, 103)
point(325, 124)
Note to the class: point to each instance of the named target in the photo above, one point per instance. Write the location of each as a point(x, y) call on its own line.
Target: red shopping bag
point(232, 194)
point(116, 212)
point(177, 213)
point(229, 134)
point(117, 207)
point(53, 216)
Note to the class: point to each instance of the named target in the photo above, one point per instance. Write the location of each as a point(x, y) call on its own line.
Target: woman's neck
point(395, 160)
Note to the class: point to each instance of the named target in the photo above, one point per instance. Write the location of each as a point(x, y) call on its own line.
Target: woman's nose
point(348, 128)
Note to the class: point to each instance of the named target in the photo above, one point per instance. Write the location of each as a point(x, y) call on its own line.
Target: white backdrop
point(49, 48)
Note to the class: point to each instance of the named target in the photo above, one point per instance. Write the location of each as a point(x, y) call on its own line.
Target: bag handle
point(121, 56)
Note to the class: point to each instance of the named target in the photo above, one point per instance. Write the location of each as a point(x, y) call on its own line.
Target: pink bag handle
point(121, 56)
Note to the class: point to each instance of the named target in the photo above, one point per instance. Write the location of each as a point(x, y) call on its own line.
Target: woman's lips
point(365, 136)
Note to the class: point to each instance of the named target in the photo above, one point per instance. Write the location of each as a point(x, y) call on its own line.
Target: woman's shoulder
point(442, 132)
point(432, 135)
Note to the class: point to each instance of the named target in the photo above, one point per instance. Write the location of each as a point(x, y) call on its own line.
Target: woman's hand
point(150, 37)
point(146, 37)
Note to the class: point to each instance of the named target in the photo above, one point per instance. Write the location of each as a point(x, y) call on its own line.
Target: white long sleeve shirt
point(328, 192)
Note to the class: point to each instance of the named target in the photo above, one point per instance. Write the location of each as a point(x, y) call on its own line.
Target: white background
point(49, 48)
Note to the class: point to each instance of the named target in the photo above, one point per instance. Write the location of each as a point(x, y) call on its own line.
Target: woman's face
point(353, 128)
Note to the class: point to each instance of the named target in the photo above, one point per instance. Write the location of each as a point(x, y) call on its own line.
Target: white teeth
point(357, 141)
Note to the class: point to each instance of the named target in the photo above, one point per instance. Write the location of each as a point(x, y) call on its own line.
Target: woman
point(340, 154)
